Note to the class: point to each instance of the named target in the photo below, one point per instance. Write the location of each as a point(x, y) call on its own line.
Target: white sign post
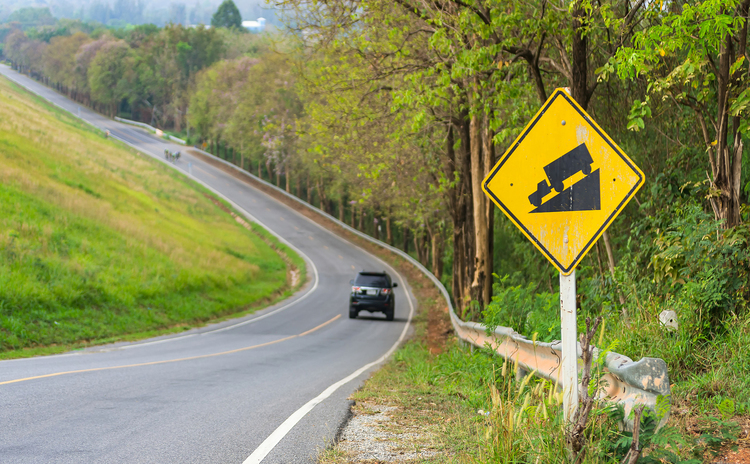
point(569, 378)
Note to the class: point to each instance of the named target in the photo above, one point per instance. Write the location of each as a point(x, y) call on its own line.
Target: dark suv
point(373, 292)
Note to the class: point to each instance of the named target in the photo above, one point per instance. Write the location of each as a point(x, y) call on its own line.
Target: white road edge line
point(281, 431)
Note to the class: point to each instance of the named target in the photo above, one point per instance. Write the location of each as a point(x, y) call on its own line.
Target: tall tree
point(696, 55)
point(109, 73)
point(227, 16)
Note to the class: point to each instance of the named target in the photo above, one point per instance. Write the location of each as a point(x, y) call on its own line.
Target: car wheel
point(353, 313)
point(389, 314)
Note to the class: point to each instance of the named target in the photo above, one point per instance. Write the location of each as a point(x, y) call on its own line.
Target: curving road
point(269, 388)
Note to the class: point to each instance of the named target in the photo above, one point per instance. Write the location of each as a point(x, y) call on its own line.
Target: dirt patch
point(439, 328)
point(741, 456)
point(375, 434)
point(739, 452)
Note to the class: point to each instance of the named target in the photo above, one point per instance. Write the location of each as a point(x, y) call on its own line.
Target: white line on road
point(281, 431)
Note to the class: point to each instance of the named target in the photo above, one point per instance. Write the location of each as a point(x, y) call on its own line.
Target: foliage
point(144, 71)
point(227, 16)
point(109, 71)
point(32, 17)
point(524, 310)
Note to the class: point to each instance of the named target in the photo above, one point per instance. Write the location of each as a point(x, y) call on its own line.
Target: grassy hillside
point(98, 242)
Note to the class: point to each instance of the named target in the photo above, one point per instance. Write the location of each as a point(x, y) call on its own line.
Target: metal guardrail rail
point(625, 382)
point(151, 128)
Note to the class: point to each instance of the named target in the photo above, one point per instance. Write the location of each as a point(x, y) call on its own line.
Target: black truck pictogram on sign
point(584, 195)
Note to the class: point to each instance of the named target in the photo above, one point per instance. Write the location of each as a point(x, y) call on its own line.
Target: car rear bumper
point(371, 305)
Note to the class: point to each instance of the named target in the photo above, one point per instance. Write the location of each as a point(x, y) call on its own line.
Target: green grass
point(99, 243)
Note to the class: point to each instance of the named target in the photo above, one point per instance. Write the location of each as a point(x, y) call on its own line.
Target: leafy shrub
point(525, 311)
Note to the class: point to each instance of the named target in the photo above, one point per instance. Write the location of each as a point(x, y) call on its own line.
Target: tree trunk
point(579, 66)
point(436, 243)
point(437, 255)
point(322, 195)
point(457, 200)
point(479, 280)
point(177, 120)
point(489, 162)
point(464, 245)
point(419, 244)
point(341, 210)
point(406, 240)
point(361, 218)
point(728, 154)
point(389, 229)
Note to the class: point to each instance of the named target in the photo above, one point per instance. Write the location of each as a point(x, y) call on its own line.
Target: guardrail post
point(569, 345)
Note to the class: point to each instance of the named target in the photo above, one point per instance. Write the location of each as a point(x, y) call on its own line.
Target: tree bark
point(436, 241)
point(728, 154)
point(579, 67)
point(467, 261)
point(480, 278)
point(406, 240)
point(489, 162)
point(419, 244)
point(389, 229)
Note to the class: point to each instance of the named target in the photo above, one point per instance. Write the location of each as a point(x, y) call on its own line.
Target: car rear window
point(371, 281)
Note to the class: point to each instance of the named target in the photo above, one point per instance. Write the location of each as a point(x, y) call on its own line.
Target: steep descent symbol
point(584, 195)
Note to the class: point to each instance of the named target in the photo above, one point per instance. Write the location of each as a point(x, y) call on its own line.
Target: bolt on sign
point(563, 181)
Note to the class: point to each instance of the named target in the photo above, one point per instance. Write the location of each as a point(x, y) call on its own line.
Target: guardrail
point(151, 128)
point(625, 382)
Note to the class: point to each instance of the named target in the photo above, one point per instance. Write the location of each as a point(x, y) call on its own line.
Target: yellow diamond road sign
point(563, 181)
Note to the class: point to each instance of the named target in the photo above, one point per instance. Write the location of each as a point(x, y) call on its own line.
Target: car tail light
point(386, 291)
point(355, 289)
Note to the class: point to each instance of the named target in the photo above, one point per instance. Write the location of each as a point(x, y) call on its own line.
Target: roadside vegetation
point(468, 406)
point(389, 114)
point(439, 401)
point(101, 244)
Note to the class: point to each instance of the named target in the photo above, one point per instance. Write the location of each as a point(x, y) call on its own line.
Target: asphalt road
point(210, 395)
